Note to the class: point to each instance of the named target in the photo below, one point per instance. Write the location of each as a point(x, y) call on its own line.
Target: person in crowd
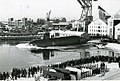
point(18, 73)
point(7, 75)
point(38, 68)
point(15, 74)
point(32, 72)
point(102, 66)
point(25, 73)
point(1, 76)
point(29, 72)
point(119, 64)
point(12, 75)
point(4, 76)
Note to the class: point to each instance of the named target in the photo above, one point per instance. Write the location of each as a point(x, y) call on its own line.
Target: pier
point(27, 37)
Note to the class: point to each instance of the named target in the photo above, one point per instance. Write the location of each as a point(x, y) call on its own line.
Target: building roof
point(1, 25)
point(117, 15)
point(99, 21)
point(118, 25)
point(67, 32)
point(62, 70)
point(61, 23)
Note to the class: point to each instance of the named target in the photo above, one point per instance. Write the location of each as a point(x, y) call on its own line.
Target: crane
point(48, 23)
point(48, 15)
point(86, 15)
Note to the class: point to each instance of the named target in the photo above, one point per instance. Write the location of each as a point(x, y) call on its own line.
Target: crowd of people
point(30, 72)
point(20, 73)
point(92, 59)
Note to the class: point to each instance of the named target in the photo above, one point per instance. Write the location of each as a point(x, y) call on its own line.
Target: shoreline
point(94, 64)
point(113, 70)
point(112, 74)
point(113, 46)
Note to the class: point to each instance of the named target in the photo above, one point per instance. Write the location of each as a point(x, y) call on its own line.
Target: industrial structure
point(86, 16)
point(98, 28)
point(114, 26)
point(90, 12)
point(48, 15)
point(93, 19)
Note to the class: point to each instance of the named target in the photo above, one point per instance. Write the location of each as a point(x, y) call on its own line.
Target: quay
point(26, 37)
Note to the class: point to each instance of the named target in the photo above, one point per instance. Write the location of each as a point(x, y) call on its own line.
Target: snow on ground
point(112, 74)
point(113, 46)
point(27, 46)
point(25, 79)
point(28, 79)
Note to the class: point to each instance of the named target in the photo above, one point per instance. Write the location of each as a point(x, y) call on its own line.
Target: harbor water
point(14, 57)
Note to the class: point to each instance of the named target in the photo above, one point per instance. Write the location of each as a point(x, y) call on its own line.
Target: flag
point(103, 15)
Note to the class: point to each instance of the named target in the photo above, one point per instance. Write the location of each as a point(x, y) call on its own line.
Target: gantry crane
point(86, 16)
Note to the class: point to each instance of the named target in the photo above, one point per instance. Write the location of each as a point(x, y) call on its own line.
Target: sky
point(70, 9)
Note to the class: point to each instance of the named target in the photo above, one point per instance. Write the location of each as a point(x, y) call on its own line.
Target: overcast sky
point(70, 9)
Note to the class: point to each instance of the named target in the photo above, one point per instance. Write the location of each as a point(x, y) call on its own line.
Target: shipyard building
point(99, 26)
point(114, 26)
point(103, 24)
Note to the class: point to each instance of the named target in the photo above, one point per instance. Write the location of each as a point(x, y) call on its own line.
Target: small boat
point(100, 45)
point(93, 41)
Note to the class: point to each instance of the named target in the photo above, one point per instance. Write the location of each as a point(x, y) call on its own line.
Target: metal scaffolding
point(86, 15)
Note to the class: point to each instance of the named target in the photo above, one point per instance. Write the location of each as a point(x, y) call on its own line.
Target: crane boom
point(80, 3)
point(49, 13)
point(84, 1)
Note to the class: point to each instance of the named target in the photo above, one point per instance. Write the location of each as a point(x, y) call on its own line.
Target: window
point(98, 26)
point(111, 23)
point(57, 34)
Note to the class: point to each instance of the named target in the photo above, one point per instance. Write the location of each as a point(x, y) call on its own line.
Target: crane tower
point(86, 15)
point(48, 15)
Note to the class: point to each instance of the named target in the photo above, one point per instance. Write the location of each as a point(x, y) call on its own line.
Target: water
point(12, 56)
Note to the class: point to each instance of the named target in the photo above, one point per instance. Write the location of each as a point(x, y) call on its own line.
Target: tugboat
point(61, 38)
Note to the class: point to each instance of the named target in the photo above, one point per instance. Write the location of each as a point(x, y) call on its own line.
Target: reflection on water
point(11, 56)
point(12, 42)
point(46, 54)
